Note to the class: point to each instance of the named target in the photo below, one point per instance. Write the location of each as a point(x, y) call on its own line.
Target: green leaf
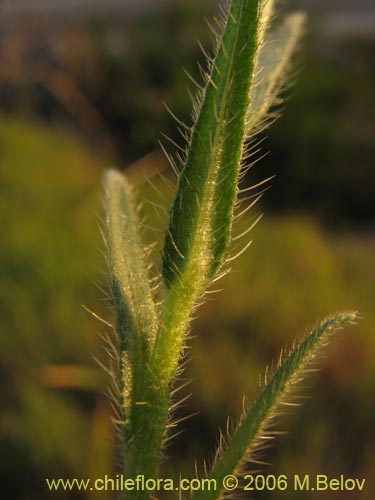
point(136, 326)
point(256, 423)
point(129, 283)
point(202, 212)
point(272, 64)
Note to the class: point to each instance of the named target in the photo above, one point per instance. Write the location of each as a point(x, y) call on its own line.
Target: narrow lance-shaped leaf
point(277, 392)
point(246, 74)
point(202, 213)
point(201, 216)
point(136, 326)
point(271, 68)
point(129, 283)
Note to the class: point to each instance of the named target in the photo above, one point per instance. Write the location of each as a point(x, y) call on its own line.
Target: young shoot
point(241, 87)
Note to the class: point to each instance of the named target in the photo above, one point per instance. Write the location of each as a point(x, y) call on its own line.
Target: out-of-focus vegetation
point(110, 80)
point(51, 405)
point(54, 420)
point(328, 173)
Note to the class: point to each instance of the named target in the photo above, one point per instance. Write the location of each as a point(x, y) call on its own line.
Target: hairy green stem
point(243, 80)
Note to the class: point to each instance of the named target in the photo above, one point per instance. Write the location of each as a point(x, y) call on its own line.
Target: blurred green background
point(82, 86)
